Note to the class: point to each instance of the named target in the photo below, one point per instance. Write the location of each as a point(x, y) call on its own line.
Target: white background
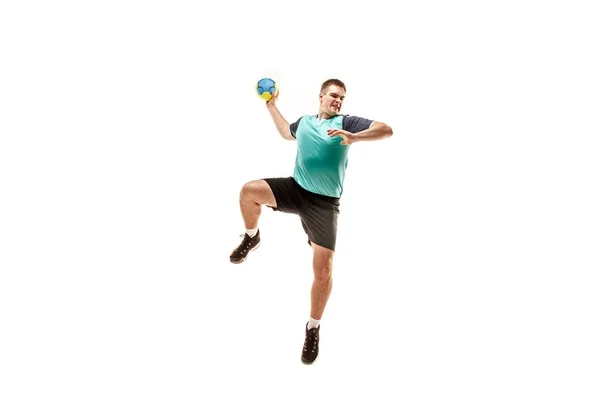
point(468, 248)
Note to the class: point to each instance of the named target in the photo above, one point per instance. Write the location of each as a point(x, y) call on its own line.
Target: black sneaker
point(310, 351)
point(241, 252)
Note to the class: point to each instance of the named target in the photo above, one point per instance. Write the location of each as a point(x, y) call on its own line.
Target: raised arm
point(283, 127)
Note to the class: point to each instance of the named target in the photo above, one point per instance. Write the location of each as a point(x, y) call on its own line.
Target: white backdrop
point(467, 260)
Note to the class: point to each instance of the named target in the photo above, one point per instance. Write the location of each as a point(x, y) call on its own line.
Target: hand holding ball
point(266, 88)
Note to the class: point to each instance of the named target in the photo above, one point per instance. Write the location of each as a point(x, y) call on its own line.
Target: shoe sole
point(308, 363)
point(243, 259)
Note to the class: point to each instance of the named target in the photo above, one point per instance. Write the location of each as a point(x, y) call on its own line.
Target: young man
point(312, 192)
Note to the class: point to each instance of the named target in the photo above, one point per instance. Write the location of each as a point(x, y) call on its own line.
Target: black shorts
point(317, 212)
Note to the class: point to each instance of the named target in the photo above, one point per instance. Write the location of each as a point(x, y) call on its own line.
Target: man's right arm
point(283, 127)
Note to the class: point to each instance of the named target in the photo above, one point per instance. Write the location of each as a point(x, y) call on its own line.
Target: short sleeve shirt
point(321, 160)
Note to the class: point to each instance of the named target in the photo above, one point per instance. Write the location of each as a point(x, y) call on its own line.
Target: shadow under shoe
point(240, 253)
point(310, 351)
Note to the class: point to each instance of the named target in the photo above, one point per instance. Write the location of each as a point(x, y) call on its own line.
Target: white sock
point(251, 232)
point(313, 323)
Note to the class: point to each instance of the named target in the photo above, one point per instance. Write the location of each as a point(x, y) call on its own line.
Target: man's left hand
point(347, 136)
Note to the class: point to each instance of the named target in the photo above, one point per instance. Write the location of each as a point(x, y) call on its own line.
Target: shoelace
point(311, 336)
point(247, 243)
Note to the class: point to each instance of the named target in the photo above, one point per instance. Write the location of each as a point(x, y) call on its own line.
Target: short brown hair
point(330, 82)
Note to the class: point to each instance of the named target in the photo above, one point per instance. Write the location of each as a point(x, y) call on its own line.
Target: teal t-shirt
point(321, 160)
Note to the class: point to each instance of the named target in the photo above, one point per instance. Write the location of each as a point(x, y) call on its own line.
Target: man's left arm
point(377, 131)
point(361, 130)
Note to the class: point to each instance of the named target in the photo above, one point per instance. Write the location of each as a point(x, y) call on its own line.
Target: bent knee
point(259, 192)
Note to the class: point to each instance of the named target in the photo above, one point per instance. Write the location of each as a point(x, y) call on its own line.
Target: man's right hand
point(273, 102)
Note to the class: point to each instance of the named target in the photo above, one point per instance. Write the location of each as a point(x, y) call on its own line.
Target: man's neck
point(323, 115)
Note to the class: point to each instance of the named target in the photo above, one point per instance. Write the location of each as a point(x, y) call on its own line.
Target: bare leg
point(253, 195)
point(322, 283)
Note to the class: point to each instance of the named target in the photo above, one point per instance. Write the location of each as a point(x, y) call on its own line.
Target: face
point(331, 101)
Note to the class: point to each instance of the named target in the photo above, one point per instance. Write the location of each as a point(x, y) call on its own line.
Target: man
point(312, 192)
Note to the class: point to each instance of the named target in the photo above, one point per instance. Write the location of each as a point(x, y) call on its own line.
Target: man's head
point(333, 92)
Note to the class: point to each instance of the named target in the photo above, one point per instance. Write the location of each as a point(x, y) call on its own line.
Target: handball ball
point(266, 88)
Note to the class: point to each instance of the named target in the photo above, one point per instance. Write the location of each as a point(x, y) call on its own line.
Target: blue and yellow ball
point(266, 88)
